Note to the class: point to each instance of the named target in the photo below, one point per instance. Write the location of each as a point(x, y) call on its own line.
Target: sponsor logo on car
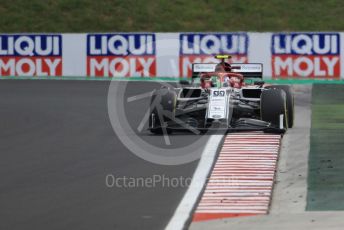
point(311, 55)
point(218, 93)
point(122, 55)
point(30, 55)
point(202, 47)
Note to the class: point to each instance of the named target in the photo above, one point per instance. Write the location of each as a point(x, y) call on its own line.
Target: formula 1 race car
point(223, 96)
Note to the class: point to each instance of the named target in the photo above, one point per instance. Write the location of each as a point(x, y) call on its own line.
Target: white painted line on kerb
point(184, 209)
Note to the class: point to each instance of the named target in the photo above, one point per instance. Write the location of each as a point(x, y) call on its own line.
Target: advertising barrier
point(310, 55)
point(294, 55)
point(31, 55)
point(121, 55)
point(201, 48)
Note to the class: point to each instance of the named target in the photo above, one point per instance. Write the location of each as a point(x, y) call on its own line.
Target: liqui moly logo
point(311, 55)
point(30, 55)
point(121, 55)
point(201, 48)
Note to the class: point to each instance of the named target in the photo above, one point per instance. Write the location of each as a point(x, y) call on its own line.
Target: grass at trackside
point(326, 157)
point(165, 15)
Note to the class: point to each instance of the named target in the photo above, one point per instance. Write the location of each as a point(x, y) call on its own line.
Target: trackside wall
point(306, 55)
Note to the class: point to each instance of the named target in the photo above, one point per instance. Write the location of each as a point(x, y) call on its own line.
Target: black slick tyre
point(272, 105)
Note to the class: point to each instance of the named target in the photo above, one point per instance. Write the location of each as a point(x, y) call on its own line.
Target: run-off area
point(326, 161)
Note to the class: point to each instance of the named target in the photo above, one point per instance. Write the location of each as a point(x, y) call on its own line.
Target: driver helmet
point(223, 67)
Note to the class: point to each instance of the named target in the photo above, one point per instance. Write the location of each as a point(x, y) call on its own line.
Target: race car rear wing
point(250, 70)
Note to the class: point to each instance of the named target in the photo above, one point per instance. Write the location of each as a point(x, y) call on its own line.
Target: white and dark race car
point(223, 96)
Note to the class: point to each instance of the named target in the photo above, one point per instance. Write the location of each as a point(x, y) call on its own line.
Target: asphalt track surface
point(56, 148)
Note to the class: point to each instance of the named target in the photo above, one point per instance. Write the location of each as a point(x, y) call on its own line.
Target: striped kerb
point(242, 178)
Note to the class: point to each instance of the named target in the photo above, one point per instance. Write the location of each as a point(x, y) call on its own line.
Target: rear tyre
point(289, 102)
point(272, 105)
point(162, 107)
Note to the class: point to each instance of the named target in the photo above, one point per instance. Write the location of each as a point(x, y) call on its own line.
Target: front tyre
point(272, 105)
point(289, 102)
point(163, 103)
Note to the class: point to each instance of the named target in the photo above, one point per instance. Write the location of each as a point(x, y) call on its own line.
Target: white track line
point(185, 207)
